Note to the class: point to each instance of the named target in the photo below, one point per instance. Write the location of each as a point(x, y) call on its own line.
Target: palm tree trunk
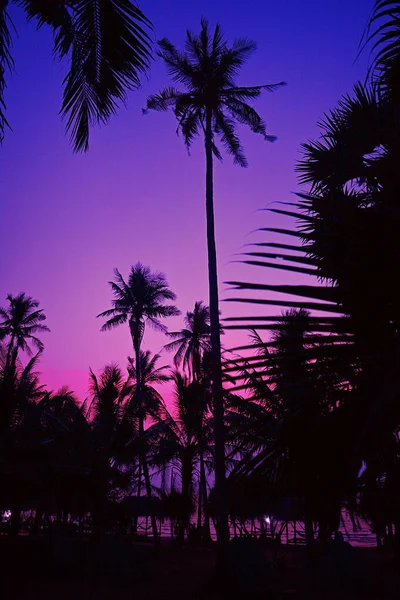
point(151, 508)
point(15, 523)
point(201, 467)
point(142, 453)
point(187, 476)
point(9, 353)
point(138, 492)
point(397, 540)
point(207, 530)
point(200, 495)
point(308, 525)
point(220, 476)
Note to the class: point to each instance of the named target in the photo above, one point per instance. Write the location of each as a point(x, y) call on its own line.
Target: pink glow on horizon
point(68, 220)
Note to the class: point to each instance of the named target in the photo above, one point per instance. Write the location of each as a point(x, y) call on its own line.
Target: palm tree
point(191, 342)
point(20, 323)
point(212, 104)
point(179, 440)
point(383, 32)
point(301, 398)
point(20, 391)
point(138, 301)
point(67, 456)
point(107, 413)
point(150, 375)
point(107, 45)
point(190, 345)
point(347, 236)
point(151, 402)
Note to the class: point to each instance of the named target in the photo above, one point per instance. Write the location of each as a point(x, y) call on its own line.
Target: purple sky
point(67, 220)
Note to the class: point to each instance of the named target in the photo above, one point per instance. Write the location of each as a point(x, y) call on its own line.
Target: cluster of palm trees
point(341, 392)
point(108, 46)
point(62, 455)
point(309, 416)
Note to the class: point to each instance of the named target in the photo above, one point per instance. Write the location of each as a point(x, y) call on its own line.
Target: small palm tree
point(20, 322)
point(20, 392)
point(107, 45)
point(191, 342)
point(67, 453)
point(150, 374)
point(212, 105)
point(110, 394)
point(178, 440)
point(140, 301)
point(151, 402)
point(19, 387)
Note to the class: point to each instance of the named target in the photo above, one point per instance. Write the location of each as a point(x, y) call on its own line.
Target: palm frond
point(111, 48)
point(383, 32)
point(247, 115)
point(6, 62)
point(251, 92)
point(207, 69)
point(179, 66)
point(163, 100)
point(225, 127)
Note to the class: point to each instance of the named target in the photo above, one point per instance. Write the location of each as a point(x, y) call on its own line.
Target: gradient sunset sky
point(67, 220)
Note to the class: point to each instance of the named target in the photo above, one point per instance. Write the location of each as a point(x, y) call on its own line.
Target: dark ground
point(67, 569)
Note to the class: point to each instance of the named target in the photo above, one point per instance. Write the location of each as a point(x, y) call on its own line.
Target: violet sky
point(67, 220)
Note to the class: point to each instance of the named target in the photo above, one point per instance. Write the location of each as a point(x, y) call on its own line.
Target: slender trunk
point(397, 540)
point(187, 477)
point(139, 489)
point(309, 530)
point(201, 467)
point(142, 453)
point(206, 525)
point(200, 494)
point(218, 399)
point(196, 368)
point(151, 507)
point(308, 517)
point(37, 521)
point(9, 353)
point(15, 524)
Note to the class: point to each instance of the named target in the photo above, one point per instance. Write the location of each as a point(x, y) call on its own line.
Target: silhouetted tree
point(190, 345)
point(20, 323)
point(110, 394)
point(179, 441)
point(212, 105)
point(191, 342)
point(151, 404)
point(138, 301)
point(107, 45)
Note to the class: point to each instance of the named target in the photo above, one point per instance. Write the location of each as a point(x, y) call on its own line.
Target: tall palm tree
point(212, 104)
point(20, 322)
point(140, 301)
point(107, 46)
point(192, 341)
